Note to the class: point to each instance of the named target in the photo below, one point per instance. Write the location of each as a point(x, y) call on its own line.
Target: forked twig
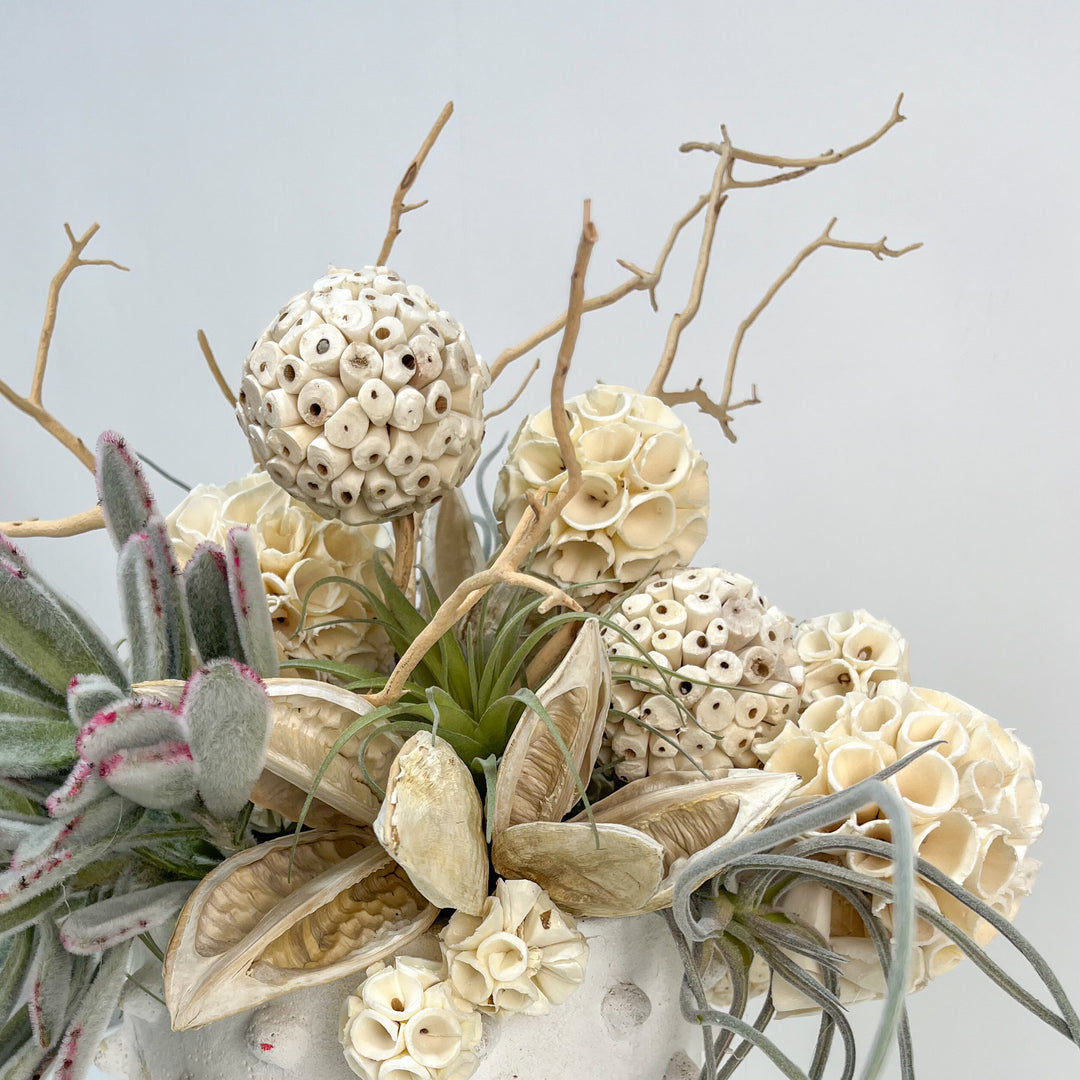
point(398, 207)
point(722, 409)
point(533, 524)
point(32, 403)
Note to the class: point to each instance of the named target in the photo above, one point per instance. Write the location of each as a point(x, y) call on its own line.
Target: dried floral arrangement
point(417, 759)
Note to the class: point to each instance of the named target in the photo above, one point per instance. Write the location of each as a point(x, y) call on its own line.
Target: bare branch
point(517, 393)
point(723, 408)
point(533, 524)
point(641, 280)
point(212, 364)
point(398, 207)
point(84, 522)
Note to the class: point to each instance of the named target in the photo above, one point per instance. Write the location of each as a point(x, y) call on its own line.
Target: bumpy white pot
point(623, 1023)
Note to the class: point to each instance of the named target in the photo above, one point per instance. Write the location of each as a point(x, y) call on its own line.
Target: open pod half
point(643, 832)
point(251, 931)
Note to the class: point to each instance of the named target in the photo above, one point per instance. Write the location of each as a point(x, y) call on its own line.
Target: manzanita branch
point(83, 522)
point(398, 207)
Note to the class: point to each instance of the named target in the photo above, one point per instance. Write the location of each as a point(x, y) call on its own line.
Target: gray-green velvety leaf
point(14, 677)
point(18, 952)
point(130, 724)
point(142, 605)
point(126, 500)
point(228, 717)
point(22, 706)
point(88, 695)
point(120, 918)
point(213, 619)
point(250, 609)
point(50, 985)
point(36, 747)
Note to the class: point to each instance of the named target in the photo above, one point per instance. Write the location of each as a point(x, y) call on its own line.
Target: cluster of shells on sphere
point(363, 398)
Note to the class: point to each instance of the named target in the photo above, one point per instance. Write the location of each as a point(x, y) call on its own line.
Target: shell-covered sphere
point(405, 1021)
point(736, 677)
point(849, 651)
point(644, 498)
point(296, 548)
point(521, 954)
point(974, 805)
point(363, 397)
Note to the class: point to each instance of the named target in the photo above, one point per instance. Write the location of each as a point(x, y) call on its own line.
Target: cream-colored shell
point(295, 548)
point(643, 502)
point(257, 927)
point(521, 954)
point(431, 822)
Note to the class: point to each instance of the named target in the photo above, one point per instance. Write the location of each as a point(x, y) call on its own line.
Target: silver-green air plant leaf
point(127, 503)
point(250, 610)
point(206, 586)
point(109, 922)
point(228, 717)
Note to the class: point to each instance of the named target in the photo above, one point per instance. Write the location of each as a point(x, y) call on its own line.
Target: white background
point(916, 453)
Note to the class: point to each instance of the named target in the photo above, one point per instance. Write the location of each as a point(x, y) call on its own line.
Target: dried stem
point(32, 403)
point(212, 364)
point(405, 553)
point(534, 523)
point(517, 393)
point(86, 521)
point(721, 410)
point(398, 207)
point(646, 280)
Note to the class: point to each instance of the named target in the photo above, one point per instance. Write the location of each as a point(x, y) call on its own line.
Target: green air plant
point(114, 797)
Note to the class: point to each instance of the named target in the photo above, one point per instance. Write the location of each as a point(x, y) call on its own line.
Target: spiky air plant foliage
point(112, 801)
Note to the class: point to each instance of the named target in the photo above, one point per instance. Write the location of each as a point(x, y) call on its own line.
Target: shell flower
point(363, 398)
point(405, 1020)
point(296, 548)
point(644, 500)
point(974, 804)
point(521, 954)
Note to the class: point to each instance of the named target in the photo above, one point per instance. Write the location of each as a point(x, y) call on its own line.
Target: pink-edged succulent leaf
point(50, 985)
point(143, 605)
point(159, 777)
point(127, 725)
point(228, 716)
point(213, 623)
point(127, 502)
point(92, 1015)
point(87, 695)
point(109, 922)
point(80, 790)
point(250, 609)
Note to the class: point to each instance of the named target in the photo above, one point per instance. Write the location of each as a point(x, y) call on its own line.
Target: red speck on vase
point(266, 1046)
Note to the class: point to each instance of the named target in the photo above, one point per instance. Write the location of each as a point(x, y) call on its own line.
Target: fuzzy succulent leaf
point(227, 712)
point(250, 610)
point(109, 922)
point(92, 1015)
point(20, 1053)
point(158, 777)
point(15, 802)
point(16, 706)
point(130, 724)
point(22, 917)
point(82, 788)
point(50, 986)
point(213, 623)
point(87, 695)
point(126, 500)
point(17, 951)
point(37, 632)
point(14, 678)
point(35, 747)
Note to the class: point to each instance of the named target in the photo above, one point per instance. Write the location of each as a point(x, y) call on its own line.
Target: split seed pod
point(251, 931)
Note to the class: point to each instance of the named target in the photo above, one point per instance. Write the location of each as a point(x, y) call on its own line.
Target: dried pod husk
point(431, 822)
point(252, 930)
point(535, 780)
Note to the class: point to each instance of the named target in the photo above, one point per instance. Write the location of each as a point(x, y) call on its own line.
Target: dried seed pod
point(252, 931)
point(347, 359)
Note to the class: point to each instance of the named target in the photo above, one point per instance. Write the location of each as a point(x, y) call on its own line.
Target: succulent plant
point(704, 672)
point(644, 499)
point(363, 398)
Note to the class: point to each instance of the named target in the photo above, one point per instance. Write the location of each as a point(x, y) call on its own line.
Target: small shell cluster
point(644, 498)
point(974, 802)
point(849, 651)
point(405, 1023)
point(296, 548)
point(521, 954)
point(736, 674)
point(363, 398)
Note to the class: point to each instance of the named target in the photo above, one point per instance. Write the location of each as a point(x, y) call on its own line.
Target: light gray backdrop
point(916, 452)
